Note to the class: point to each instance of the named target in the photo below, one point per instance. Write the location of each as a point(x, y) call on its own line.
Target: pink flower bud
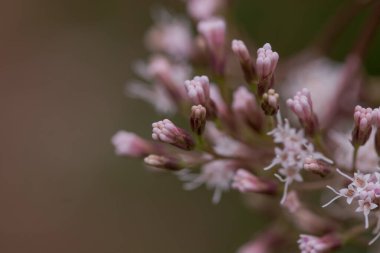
point(198, 90)
point(270, 102)
point(302, 106)
point(313, 244)
point(162, 162)
point(244, 105)
point(376, 117)
point(165, 131)
point(203, 9)
point(319, 167)
point(213, 30)
point(266, 63)
point(363, 125)
point(266, 242)
point(246, 182)
point(162, 71)
point(130, 144)
point(241, 52)
point(198, 119)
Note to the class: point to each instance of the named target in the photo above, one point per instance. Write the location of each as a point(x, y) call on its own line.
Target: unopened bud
point(313, 244)
point(130, 144)
point(244, 105)
point(266, 63)
point(302, 106)
point(241, 52)
point(162, 162)
point(319, 167)
point(213, 31)
point(246, 182)
point(363, 125)
point(270, 102)
point(198, 119)
point(165, 131)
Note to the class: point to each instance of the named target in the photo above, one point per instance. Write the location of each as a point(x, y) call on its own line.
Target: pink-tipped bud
point(266, 242)
point(244, 181)
point(270, 102)
point(203, 9)
point(302, 106)
point(313, 244)
point(165, 131)
point(213, 30)
point(266, 61)
point(363, 125)
point(198, 90)
point(161, 70)
point(198, 119)
point(318, 167)
point(241, 52)
point(162, 162)
point(130, 144)
point(244, 105)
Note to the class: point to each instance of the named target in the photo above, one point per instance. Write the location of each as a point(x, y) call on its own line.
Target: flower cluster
point(291, 154)
point(233, 128)
point(365, 190)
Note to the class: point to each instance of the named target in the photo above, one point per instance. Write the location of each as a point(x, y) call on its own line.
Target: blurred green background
point(63, 68)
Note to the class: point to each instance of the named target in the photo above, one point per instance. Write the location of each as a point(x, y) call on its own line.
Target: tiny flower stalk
point(244, 105)
point(165, 131)
point(163, 162)
point(302, 106)
point(213, 30)
point(246, 63)
point(266, 64)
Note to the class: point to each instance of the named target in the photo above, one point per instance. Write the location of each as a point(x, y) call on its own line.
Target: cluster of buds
point(228, 146)
point(266, 64)
point(363, 125)
point(165, 131)
point(302, 106)
point(198, 91)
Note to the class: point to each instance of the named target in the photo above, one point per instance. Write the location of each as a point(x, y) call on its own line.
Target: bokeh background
point(63, 68)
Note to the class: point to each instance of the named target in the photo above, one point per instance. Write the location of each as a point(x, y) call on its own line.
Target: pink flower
point(130, 144)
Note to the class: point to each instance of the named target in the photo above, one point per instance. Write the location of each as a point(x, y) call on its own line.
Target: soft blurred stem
point(200, 142)
point(337, 24)
point(353, 233)
point(355, 157)
point(318, 140)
